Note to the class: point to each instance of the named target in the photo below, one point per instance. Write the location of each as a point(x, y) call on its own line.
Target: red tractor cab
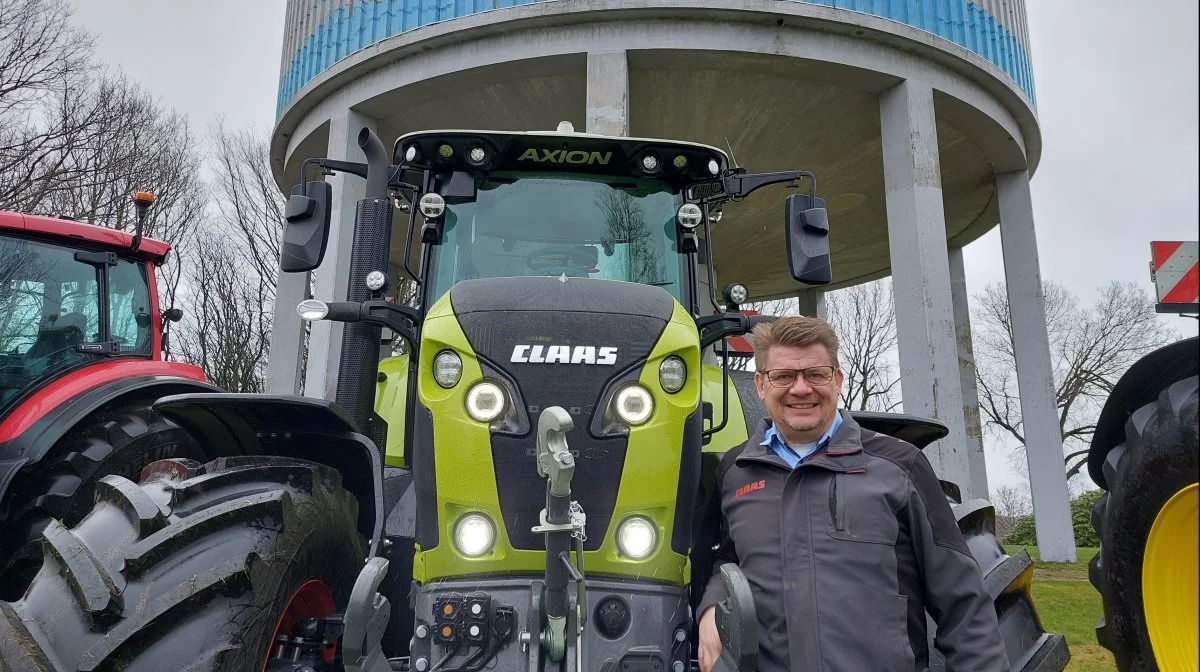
point(81, 341)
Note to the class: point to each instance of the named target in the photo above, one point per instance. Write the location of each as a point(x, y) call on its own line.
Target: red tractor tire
point(120, 440)
point(195, 569)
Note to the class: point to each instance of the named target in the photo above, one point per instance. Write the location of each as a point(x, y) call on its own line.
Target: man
point(843, 533)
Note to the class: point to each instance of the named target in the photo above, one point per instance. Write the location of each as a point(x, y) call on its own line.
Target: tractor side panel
point(391, 404)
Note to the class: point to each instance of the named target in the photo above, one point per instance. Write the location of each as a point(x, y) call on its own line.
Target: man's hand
point(710, 640)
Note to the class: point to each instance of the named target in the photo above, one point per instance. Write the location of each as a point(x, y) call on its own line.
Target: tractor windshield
point(50, 303)
point(581, 226)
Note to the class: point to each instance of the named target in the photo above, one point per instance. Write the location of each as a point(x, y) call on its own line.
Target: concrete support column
point(325, 341)
point(811, 302)
point(921, 272)
point(1035, 377)
point(284, 372)
point(966, 374)
point(608, 93)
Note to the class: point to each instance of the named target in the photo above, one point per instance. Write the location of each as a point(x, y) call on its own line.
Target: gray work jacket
point(846, 553)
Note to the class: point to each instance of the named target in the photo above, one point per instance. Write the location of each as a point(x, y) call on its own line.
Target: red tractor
point(81, 343)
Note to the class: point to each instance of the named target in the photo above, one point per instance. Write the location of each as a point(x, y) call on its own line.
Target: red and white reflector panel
point(1175, 270)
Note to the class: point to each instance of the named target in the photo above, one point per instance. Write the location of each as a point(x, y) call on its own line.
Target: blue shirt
point(794, 455)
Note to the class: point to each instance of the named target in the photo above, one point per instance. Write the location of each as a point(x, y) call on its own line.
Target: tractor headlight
point(432, 205)
point(636, 537)
point(474, 535)
point(485, 401)
point(376, 281)
point(447, 368)
point(312, 309)
point(672, 374)
point(736, 294)
point(476, 155)
point(689, 215)
point(634, 404)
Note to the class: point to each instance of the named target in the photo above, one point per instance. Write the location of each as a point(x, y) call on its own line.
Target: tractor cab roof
point(68, 232)
point(678, 163)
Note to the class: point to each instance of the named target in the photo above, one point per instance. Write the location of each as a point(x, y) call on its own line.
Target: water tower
point(918, 117)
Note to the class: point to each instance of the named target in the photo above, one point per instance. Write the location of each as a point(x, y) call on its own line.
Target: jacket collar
point(841, 452)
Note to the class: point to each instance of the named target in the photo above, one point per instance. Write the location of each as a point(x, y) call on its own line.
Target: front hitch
point(561, 522)
point(737, 623)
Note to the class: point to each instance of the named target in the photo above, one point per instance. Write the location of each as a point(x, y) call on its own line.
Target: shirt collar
point(771, 434)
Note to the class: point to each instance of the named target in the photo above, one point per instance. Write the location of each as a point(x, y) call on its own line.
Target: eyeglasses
point(813, 375)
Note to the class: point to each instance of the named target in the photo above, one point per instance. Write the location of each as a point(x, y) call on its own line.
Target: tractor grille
point(559, 319)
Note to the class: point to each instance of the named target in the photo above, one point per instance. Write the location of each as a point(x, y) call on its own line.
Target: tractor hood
point(560, 342)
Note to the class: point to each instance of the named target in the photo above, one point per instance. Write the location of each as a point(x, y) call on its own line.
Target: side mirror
point(306, 232)
point(807, 237)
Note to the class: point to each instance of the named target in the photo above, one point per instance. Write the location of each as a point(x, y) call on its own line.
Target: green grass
point(1068, 603)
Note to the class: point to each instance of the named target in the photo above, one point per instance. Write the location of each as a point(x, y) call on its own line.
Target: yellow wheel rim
point(1170, 584)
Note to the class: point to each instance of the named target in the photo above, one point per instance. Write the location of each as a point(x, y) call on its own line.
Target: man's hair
point(792, 331)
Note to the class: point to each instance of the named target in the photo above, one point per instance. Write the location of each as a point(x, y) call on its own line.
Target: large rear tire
point(1008, 579)
point(1158, 460)
point(119, 441)
point(191, 570)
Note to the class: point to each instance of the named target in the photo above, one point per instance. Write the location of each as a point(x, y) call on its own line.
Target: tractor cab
point(563, 205)
point(70, 295)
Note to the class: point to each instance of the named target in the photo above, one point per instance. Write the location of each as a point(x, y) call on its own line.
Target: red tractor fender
point(316, 430)
point(39, 422)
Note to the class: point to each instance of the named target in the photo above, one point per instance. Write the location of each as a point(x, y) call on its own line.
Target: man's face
point(802, 412)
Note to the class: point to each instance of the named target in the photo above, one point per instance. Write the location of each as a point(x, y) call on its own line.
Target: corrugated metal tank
point(320, 33)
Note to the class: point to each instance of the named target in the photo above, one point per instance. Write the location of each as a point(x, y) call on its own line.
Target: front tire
point(1158, 460)
point(191, 570)
point(118, 441)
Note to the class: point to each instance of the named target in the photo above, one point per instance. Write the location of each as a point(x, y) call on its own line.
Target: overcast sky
point(1117, 88)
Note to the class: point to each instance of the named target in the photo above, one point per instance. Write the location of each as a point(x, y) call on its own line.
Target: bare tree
point(864, 318)
point(44, 63)
point(133, 144)
point(1090, 347)
point(247, 200)
point(232, 270)
point(229, 331)
point(1011, 504)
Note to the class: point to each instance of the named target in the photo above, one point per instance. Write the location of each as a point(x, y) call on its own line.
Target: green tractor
point(526, 487)
point(1144, 455)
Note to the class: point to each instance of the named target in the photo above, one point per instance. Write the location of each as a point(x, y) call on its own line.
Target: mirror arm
point(740, 186)
point(333, 165)
point(713, 328)
point(400, 319)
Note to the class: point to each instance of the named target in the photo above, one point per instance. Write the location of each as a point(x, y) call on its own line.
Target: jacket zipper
point(837, 502)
